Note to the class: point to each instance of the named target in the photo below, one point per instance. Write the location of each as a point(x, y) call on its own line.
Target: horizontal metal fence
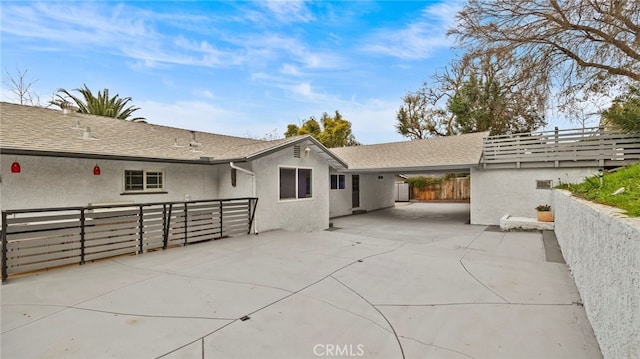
point(36, 239)
point(577, 147)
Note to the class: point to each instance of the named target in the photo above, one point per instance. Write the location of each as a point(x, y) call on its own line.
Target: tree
point(578, 45)
point(100, 105)
point(21, 87)
point(476, 92)
point(624, 113)
point(330, 131)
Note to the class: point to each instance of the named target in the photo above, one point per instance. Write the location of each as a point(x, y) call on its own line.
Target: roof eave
point(414, 169)
point(42, 153)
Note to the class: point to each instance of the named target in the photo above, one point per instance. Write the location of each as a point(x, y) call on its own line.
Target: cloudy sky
point(241, 68)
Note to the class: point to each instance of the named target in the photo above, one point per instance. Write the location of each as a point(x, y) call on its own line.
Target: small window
point(296, 183)
point(337, 182)
point(544, 184)
point(143, 180)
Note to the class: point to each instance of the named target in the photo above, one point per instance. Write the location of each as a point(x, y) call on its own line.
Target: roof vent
point(194, 141)
point(87, 133)
point(77, 126)
point(296, 151)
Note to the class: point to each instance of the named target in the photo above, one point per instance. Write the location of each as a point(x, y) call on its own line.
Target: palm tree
point(101, 105)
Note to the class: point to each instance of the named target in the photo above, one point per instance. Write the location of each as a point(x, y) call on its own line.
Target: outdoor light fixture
point(96, 170)
point(306, 151)
point(15, 167)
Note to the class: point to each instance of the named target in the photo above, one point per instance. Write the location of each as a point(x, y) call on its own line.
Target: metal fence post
point(166, 220)
point(141, 229)
point(82, 234)
point(186, 220)
point(221, 224)
point(4, 247)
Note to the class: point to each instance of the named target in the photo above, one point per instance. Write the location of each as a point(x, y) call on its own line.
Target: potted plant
point(544, 213)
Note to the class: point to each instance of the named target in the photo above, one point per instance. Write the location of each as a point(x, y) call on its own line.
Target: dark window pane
point(287, 183)
point(304, 183)
point(154, 180)
point(334, 181)
point(341, 182)
point(133, 180)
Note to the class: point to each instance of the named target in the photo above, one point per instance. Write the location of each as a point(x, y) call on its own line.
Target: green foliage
point(624, 113)
point(475, 93)
point(543, 208)
point(100, 105)
point(330, 131)
point(422, 182)
point(629, 200)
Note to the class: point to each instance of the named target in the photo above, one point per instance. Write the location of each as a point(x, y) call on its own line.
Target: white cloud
point(287, 11)
point(420, 38)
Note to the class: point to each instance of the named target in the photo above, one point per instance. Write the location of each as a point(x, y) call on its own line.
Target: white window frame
point(145, 188)
point(296, 168)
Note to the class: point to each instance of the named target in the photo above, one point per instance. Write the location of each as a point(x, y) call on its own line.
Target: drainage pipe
point(253, 191)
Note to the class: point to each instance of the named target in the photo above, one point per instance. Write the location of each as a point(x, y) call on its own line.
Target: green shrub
point(628, 200)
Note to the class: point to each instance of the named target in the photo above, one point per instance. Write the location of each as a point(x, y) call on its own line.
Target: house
point(71, 159)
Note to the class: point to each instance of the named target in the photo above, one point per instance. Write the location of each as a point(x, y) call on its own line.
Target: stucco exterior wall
point(602, 248)
point(243, 187)
point(60, 182)
point(340, 199)
point(376, 192)
point(309, 214)
point(495, 193)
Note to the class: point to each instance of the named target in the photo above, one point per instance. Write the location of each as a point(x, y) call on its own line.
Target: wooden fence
point(454, 189)
point(36, 239)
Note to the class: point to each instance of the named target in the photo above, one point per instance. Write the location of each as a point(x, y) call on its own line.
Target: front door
point(355, 195)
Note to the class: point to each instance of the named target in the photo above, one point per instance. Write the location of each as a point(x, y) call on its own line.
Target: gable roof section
point(428, 155)
point(40, 131)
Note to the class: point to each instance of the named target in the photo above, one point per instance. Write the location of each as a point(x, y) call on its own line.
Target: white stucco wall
point(340, 199)
point(309, 214)
point(495, 193)
point(375, 192)
point(60, 182)
point(602, 248)
point(243, 186)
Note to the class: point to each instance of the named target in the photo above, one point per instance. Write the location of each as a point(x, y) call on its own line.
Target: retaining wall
point(602, 248)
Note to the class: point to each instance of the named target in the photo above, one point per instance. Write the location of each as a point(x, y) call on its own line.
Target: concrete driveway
point(409, 282)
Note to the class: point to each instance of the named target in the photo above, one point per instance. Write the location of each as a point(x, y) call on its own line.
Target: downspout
point(253, 185)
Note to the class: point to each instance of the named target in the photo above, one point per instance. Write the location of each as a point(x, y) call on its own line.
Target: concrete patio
point(412, 281)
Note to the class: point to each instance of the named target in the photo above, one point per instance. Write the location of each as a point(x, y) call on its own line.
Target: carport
point(372, 168)
point(405, 282)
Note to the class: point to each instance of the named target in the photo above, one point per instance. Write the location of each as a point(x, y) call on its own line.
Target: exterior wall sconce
point(96, 170)
point(306, 151)
point(15, 167)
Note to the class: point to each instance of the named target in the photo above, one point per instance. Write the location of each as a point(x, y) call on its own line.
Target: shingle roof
point(36, 129)
point(441, 153)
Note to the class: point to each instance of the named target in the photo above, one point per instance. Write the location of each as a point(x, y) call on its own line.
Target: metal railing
point(595, 146)
point(37, 239)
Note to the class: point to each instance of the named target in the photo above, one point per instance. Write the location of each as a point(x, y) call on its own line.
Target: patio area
point(413, 281)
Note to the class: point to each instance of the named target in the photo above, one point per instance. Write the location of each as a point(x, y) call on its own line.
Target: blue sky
point(239, 68)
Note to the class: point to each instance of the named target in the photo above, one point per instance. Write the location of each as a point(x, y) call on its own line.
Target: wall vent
point(296, 151)
point(544, 184)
